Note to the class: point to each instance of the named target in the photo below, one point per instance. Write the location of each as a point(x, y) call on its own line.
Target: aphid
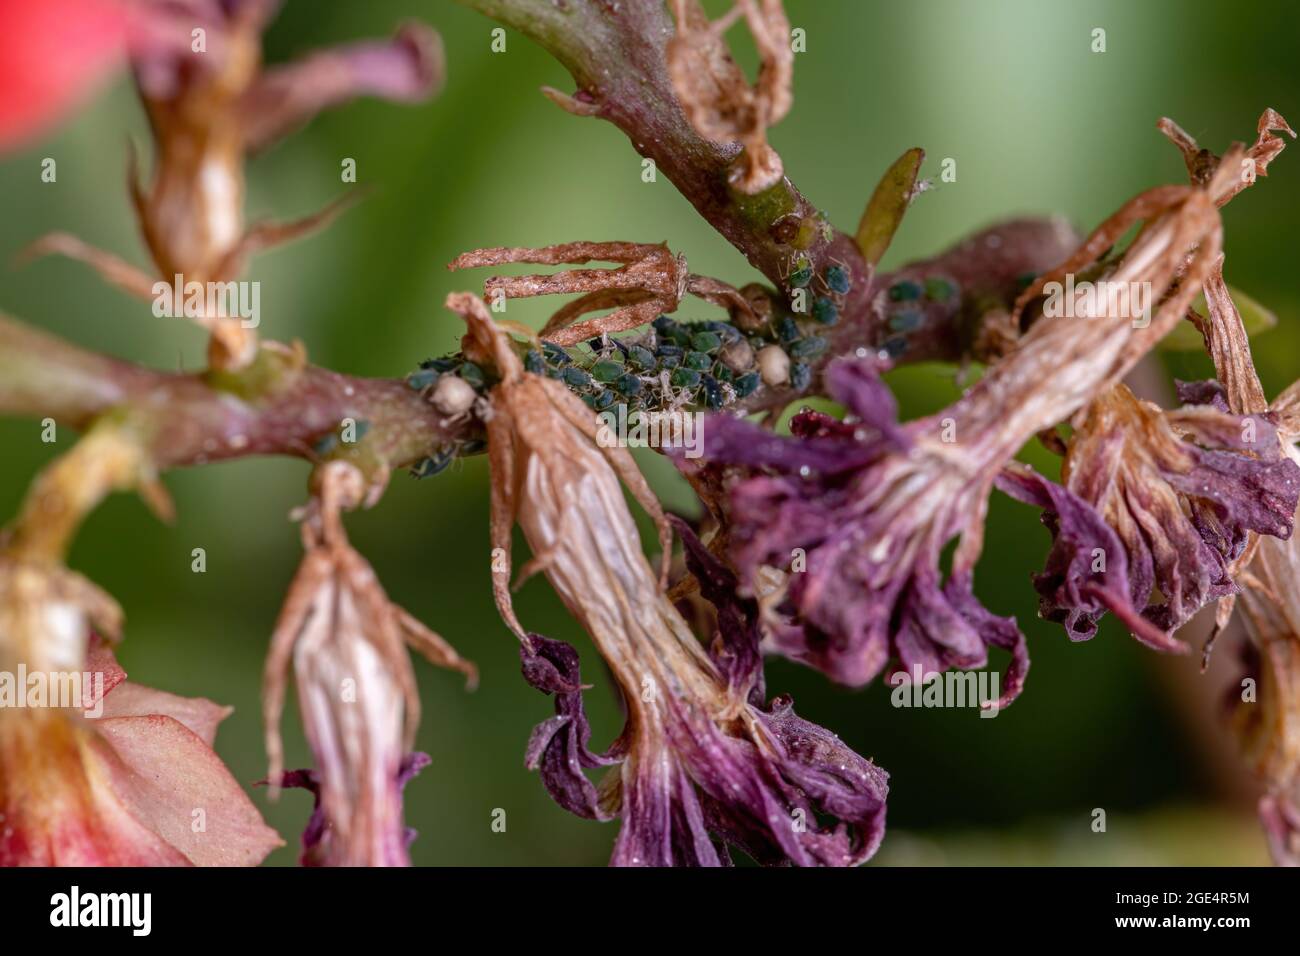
point(810, 347)
point(685, 378)
point(939, 289)
point(787, 330)
point(894, 347)
point(825, 311)
point(641, 357)
point(904, 290)
point(712, 392)
point(629, 385)
point(432, 465)
point(555, 354)
point(837, 279)
point(472, 374)
point(746, 384)
point(534, 362)
point(606, 370)
point(706, 342)
point(700, 361)
point(800, 376)
point(422, 379)
point(906, 320)
point(575, 377)
point(802, 274)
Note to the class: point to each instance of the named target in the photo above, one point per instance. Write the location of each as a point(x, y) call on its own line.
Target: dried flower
point(650, 281)
point(355, 686)
point(714, 92)
point(858, 511)
point(210, 102)
point(1176, 492)
point(700, 759)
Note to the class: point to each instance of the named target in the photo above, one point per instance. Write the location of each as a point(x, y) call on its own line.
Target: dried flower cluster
point(849, 545)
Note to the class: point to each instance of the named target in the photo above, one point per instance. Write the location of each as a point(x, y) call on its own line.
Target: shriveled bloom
point(356, 689)
point(650, 280)
point(713, 90)
point(701, 760)
point(859, 511)
point(1178, 492)
point(210, 104)
point(872, 504)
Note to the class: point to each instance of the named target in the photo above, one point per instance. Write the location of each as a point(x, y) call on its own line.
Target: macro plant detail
point(846, 542)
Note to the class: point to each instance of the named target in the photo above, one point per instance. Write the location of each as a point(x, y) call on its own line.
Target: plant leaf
point(888, 203)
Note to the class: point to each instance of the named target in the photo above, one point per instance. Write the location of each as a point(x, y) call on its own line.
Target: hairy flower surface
point(356, 690)
point(700, 758)
point(137, 785)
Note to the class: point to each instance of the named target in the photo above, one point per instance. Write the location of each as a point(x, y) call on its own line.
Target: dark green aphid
point(700, 361)
point(575, 377)
point(810, 347)
point(606, 399)
point(706, 341)
point(325, 444)
point(554, 373)
point(825, 311)
point(606, 370)
point(555, 354)
point(895, 347)
point(746, 384)
point(641, 357)
point(685, 378)
point(435, 463)
point(629, 385)
point(723, 374)
point(439, 364)
point(713, 396)
point(664, 325)
point(589, 399)
point(422, 379)
point(665, 350)
point(787, 329)
point(728, 332)
point(906, 320)
point(800, 376)
point(939, 289)
point(475, 446)
point(904, 290)
point(533, 362)
point(472, 374)
point(837, 279)
point(801, 275)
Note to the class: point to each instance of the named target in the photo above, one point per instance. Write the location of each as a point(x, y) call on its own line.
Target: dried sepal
point(716, 96)
point(1202, 163)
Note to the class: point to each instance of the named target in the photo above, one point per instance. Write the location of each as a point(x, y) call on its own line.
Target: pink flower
point(138, 785)
point(52, 54)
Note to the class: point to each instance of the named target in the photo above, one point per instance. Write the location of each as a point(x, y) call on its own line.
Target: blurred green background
point(1037, 123)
